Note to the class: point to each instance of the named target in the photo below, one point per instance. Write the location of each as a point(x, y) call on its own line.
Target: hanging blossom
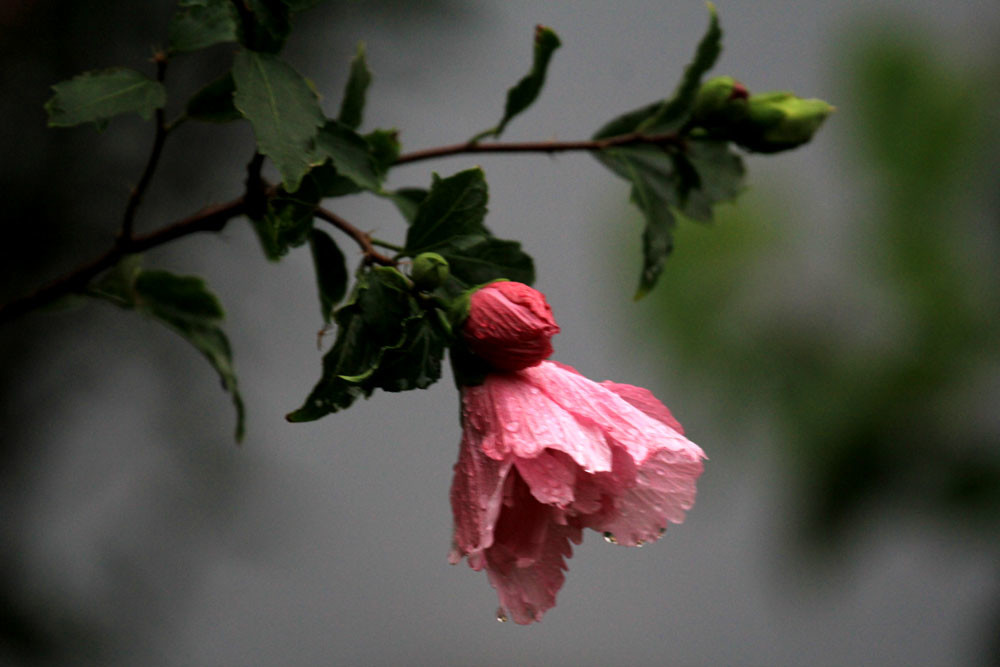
point(546, 452)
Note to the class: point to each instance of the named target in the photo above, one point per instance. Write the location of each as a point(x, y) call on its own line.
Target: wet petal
point(527, 560)
point(644, 400)
point(527, 421)
point(663, 490)
point(476, 498)
point(551, 477)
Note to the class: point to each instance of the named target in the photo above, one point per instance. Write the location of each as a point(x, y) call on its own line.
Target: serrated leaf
point(96, 96)
point(474, 260)
point(690, 182)
point(408, 200)
point(283, 110)
point(199, 25)
point(331, 271)
point(349, 153)
point(384, 148)
point(185, 305)
point(214, 102)
point(371, 323)
point(268, 27)
point(353, 104)
point(416, 363)
point(454, 206)
point(287, 220)
point(670, 114)
point(524, 94)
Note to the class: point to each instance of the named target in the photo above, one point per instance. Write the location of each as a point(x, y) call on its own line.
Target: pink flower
point(546, 453)
point(509, 325)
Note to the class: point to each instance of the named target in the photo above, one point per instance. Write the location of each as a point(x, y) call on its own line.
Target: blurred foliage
point(879, 378)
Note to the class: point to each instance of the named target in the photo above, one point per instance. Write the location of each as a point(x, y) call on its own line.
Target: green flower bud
point(430, 270)
point(721, 103)
point(778, 121)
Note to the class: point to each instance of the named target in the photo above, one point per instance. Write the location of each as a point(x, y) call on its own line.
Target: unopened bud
point(721, 103)
point(509, 325)
point(430, 270)
point(778, 121)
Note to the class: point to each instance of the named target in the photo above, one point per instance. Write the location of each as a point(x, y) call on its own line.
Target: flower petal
point(592, 403)
point(476, 498)
point(644, 400)
point(526, 562)
point(524, 421)
point(551, 477)
point(664, 489)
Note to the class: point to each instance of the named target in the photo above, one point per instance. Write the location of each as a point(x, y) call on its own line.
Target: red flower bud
point(509, 325)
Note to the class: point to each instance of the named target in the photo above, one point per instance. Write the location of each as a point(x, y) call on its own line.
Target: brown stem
point(631, 139)
point(135, 198)
point(211, 219)
point(214, 218)
point(361, 238)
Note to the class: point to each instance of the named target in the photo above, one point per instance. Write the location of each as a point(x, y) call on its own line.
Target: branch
point(361, 238)
point(125, 235)
point(631, 139)
point(211, 219)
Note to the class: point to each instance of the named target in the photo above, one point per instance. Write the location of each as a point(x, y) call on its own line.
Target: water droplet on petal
point(638, 544)
point(501, 615)
point(512, 426)
point(534, 390)
point(663, 530)
point(610, 539)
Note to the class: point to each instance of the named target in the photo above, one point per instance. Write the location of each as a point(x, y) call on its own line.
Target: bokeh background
point(831, 341)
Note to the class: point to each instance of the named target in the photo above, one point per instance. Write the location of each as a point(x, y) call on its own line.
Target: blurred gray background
point(831, 342)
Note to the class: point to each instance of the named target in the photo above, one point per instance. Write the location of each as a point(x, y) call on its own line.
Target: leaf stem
point(591, 145)
point(361, 238)
point(385, 244)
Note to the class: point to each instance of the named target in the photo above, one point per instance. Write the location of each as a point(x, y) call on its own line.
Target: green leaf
point(214, 102)
point(384, 148)
point(199, 25)
point(96, 96)
point(288, 220)
point(523, 95)
point(474, 260)
point(671, 114)
point(349, 153)
point(455, 206)
point(185, 305)
point(268, 25)
point(353, 103)
point(283, 110)
point(373, 321)
point(331, 271)
point(416, 363)
point(689, 182)
point(407, 200)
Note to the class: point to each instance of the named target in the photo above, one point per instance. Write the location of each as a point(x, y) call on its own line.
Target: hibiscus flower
point(546, 452)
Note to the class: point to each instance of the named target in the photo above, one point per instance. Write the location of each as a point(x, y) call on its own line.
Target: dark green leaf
point(416, 363)
point(384, 147)
point(353, 103)
point(331, 271)
point(94, 97)
point(214, 102)
point(372, 322)
point(287, 220)
point(199, 25)
point(690, 182)
point(350, 154)
point(330, 183)
point(407, 200)
point(523, 95)
point(671, 114)
point(185, 305)
point(475, 260)
point(265, 25)
point(283, 110)
point(455, 206)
